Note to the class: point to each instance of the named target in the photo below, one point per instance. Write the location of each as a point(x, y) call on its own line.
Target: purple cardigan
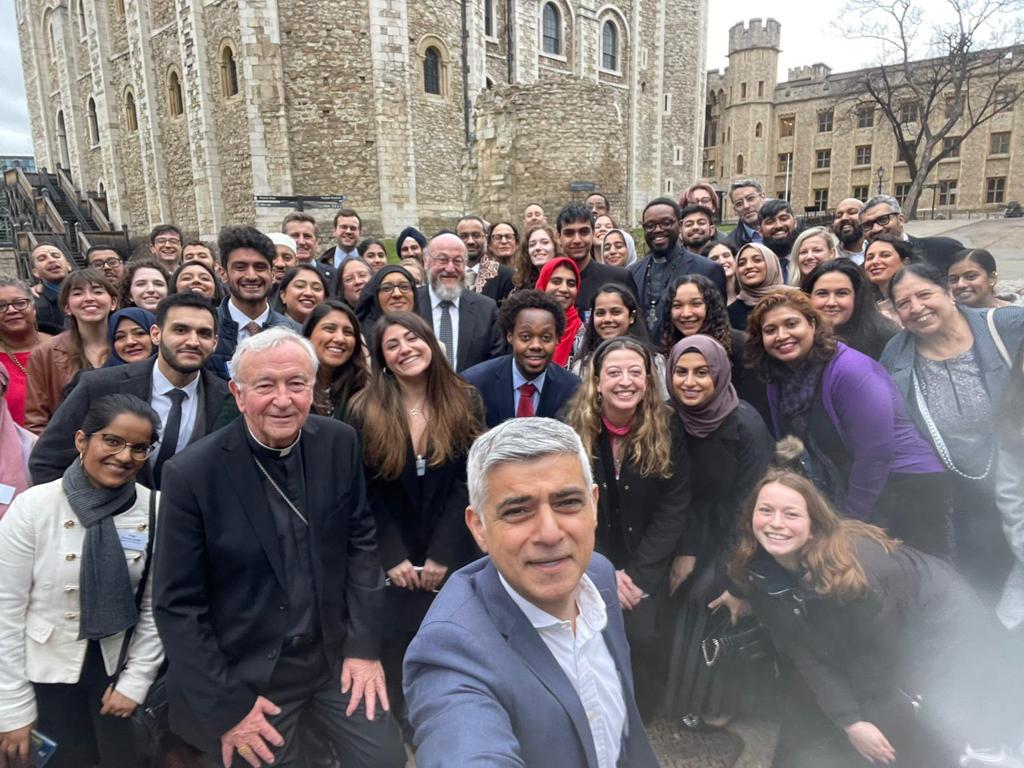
point(871, 418)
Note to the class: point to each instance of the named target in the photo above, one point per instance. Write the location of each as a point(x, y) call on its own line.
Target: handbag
point(747, 641)
point(150, 717)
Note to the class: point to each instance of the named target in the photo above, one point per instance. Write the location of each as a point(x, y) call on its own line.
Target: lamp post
point(880, 173)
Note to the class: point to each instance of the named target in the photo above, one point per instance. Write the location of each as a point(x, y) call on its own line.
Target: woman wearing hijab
point(392, 289)
point(561, 278)
point(729, 449)
point(758, 273)
point(73, 553)
point(618, 249)
point(17, 444)
point(128, 331)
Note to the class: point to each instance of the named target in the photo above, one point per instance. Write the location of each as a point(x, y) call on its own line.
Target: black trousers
point(70, 715)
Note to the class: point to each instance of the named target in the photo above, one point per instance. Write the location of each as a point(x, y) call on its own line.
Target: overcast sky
point(806, 39)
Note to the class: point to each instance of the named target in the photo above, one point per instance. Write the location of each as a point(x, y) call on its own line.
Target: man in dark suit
point(667, 260)
point(575, 226)
point(465, 323)
point(884, 214)
point(267, 590)
point(747, 197)
point(486, 275)
point(522, 659)
point(187, 397)
point(526, 382)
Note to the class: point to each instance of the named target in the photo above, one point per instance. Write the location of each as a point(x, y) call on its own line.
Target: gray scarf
point(106, 595)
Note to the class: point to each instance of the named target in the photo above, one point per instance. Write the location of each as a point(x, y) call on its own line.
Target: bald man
point(466, 323)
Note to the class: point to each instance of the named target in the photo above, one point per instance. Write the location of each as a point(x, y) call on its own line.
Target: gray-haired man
point(522, 659)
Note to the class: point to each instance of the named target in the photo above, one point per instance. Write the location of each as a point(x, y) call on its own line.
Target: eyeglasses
point(19, 305)
point(110, 263)
point(747, 201)
point(456, 261)
point(115, 444)
point(167, 241)
point(650, 226)
point(402, 287)
point(503, 236)
point(881, 221)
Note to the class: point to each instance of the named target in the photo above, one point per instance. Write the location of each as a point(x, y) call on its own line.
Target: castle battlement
point(817, 71)
point(755, 34)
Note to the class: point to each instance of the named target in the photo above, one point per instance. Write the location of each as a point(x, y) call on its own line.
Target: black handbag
point(150, 718)
point(747, 641)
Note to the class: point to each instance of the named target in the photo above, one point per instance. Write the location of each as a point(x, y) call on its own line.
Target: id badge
point(133, 540)
point(42, 748)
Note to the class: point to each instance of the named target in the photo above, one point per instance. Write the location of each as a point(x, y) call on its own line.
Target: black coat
point(680, 262)
point(55, 449)
point(937, 251)
point(597, 275)
point(647, 514)
point(480, 336)
point(499, 286)
point(219, 588)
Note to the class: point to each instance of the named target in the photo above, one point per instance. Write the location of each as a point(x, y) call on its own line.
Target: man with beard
point(165, 241)
point(667, 260)
point(747, 197)
point(50, 265)
point(187, 398)
point(696, 227)
point(884, 214)
point(465, 323)
point(484, 275)
point(575, 226)
point(846, 227)
point(779, 228)
point(301, 227)
point(109, 262)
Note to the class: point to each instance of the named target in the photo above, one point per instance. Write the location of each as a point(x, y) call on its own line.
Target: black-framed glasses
point(115, 444)
point(650, 226)
point(20, 305)
point(110, 263)
point(881, 221)
point(402, 287)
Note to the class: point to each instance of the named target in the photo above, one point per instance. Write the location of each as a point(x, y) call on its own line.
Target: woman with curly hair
point(540, 246)
point(840, 293)
point(863, 450)
point(640, 463)
point(887, 639)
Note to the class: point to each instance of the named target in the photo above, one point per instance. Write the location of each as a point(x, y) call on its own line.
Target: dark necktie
point(526, 393)
point(446, 336)
point(252, 327)
point(169, 445)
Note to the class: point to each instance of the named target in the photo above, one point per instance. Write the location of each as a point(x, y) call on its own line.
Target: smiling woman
point(560, 279)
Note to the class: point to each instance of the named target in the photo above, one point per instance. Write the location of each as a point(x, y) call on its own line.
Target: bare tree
point(945, 69)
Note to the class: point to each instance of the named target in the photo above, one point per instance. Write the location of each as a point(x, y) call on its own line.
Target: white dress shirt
point(161, 402)
point(341, 256)
point(435, 310)
point(243, 319)
point(584, 657)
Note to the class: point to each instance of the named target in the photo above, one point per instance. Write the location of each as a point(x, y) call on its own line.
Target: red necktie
point(526, 393)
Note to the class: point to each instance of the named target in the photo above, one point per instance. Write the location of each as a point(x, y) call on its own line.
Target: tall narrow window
point(758, 131)
point(62, 141)
point(131, 115)
point(432, 71)
point(175, 100)
point(81, 17)
point(119, 8)
point(552, 29)
point(739, 164)
point(94, 124)
point(610, 46)
point(489, 18)
point(228, 72)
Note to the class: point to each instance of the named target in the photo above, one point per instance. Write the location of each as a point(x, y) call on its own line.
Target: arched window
point(552, 30)
point(228, 73)
point(131, 115)
point(175, 100)
point(610, 46)
point(739, 164)
point(52, 30)
point(62, 141)
point(94, 124)
point(432, 71)
point(758, 130)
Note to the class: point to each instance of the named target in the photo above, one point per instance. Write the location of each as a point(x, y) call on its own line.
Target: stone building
point(806, 140)
point(415, 110)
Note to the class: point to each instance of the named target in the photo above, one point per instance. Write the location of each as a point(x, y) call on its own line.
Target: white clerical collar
point(281, 452)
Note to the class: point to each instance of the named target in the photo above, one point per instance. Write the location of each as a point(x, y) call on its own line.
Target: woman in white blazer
point(72, 554)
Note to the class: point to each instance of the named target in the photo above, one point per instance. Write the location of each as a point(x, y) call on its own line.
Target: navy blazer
point(484, 690)
point(480, 337)
point(493, 379)
point(227, 337)
point(680, 262)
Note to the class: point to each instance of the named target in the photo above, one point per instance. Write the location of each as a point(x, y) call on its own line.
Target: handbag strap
point(122, 657)
point(990, 318)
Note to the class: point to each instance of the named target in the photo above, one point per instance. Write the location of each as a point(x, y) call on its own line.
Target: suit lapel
point(551, 392)
point(248, 484)
point(503, 385)
point(467, 328)
point(527, 643)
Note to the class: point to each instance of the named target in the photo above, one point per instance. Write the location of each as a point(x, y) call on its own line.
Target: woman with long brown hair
point(418, 419)
point(640, 463)
point(897, 650)
point(333, 330)
point(540, 246)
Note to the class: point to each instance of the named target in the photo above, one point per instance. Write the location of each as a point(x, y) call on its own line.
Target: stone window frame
point(79, 13)
point(119, 9)
point(865, 116)
point(758, 130)
point(822, 159)
point(820, 197)
point(995, 190)
point(999, 143)
point(51, 36)
point(739, 164)
point(227, 48)
point(610, 14)
point(782, 164)
point(787, 126)
point(175, 93)
point(826, 120)
point(678, 155)
point(444, 67)
point(862, 155)
point(566, 22)
point(949, 190)
point(491, 21)
point(900, 190)
point(953, 144)
point(860, 192)
point(92, 122)
point(131, 111)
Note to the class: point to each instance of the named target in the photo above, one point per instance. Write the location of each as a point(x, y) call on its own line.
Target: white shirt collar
point(243, 319)
point(161, 384)
point(589, 604)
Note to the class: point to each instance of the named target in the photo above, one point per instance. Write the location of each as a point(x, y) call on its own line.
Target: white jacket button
point(70, 556)
point(69, 523)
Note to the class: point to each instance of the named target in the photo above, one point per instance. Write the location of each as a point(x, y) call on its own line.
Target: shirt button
point(272, 655)
point(70, 556)
point(69, 523)
point(280, 607)
point(142, 526)
point(625, 487)
point(70, 587)
point(70, 615)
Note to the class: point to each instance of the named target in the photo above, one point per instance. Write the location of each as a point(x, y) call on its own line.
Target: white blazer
point(40, 556)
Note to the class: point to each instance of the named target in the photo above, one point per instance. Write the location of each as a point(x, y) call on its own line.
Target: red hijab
point(572, 317)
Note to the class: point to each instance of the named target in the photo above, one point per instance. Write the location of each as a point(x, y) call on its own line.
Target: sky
point(806, 39)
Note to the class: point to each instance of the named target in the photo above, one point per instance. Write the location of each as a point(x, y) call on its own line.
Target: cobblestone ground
point(744, 744)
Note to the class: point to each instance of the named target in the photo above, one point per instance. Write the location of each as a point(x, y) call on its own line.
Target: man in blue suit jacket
point(522, 660)
point(525, 383)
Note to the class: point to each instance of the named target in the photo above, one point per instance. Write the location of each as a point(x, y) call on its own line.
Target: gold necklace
point(15, 360)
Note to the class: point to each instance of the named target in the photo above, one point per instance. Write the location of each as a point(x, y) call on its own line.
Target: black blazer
point(480, 337)
point(55, 449)
point(499, 286)
point(680, 262)
point(597, 275)
point(652, 512)
point(937, 251)
point(493, 380)
point(219, 590)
